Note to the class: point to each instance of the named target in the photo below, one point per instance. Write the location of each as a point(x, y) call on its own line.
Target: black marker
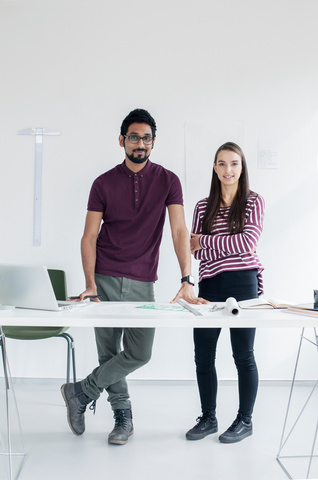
point(87, 296)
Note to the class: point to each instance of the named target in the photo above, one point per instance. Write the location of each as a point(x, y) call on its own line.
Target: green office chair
point(58, 279)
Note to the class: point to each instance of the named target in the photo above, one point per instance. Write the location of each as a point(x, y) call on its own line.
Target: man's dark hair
point(139, 115)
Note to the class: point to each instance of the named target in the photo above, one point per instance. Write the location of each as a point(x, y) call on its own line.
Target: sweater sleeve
point(203, 254)
point(243, 242)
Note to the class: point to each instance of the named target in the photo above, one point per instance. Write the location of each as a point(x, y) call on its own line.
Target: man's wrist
point(188, 279)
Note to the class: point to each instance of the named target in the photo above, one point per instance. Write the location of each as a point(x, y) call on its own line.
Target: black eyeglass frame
point(149, 140)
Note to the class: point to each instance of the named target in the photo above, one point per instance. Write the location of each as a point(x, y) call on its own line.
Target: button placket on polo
point(136, 189)
point(136, 186)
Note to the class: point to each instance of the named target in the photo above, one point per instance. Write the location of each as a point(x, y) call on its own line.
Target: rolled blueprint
point(232, 306)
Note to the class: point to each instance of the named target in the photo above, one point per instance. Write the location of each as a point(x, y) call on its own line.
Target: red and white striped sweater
point(222, 251)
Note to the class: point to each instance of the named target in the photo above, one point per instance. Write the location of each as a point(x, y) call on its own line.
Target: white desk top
point(122, 314)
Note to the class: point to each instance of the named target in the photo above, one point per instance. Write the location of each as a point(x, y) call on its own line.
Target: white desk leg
point(312, 451)
point(283, 439)
point(10, 390)
point(282, 442)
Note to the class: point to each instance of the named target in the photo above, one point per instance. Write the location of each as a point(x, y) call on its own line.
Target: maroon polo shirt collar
point(143, 171)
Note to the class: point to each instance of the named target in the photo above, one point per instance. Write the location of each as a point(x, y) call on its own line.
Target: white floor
point(158, 450)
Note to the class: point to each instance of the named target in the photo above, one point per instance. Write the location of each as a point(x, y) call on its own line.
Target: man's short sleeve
point(175, 196)
point(96, 199)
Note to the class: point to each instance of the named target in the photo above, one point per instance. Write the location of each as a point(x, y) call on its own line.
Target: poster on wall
point(268, 154)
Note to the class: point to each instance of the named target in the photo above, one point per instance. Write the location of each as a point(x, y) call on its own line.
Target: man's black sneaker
point(76, 403)
point(237, 431)
point(123, 427)
point(206, 424)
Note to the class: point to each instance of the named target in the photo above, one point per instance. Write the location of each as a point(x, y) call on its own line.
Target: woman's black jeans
point(241, 285)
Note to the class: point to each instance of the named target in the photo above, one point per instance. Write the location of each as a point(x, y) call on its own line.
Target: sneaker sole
point(120, 442)
point(199, 436)
point(68, 415)
point(235, 439)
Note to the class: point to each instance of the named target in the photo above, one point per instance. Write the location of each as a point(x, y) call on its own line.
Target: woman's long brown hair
point(236, 218)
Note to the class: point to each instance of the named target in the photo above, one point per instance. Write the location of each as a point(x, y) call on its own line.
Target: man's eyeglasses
point(147, 140)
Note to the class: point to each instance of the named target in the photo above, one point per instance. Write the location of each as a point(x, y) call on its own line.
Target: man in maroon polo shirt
point(120, 252)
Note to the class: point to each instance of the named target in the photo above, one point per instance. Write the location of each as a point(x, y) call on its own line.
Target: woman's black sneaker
point(237, 431)
point(206, 424)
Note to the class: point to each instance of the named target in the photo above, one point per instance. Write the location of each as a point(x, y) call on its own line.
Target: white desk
point(122, 314)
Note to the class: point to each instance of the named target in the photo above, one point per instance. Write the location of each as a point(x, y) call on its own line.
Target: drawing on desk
point(169, 308)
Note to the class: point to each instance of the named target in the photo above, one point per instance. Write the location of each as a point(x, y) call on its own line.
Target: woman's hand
point(253, 251)
point(194, 242)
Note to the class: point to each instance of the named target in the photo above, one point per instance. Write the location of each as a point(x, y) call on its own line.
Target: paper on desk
point(136, 309)
point(163, 307)
point(232, 306)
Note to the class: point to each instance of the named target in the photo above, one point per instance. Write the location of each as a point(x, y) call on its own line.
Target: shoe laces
point(202, 418)
point(81, 409)
point(120, 419)
point(93, 407)
point(235, 423)
point(82, 406)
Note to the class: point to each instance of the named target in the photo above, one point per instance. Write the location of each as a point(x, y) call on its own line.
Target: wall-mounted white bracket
point(37, 209)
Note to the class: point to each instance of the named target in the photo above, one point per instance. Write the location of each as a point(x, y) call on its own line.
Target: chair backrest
point(58, 280)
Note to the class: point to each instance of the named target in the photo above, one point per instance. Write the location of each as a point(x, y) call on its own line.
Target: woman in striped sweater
point(226, 229)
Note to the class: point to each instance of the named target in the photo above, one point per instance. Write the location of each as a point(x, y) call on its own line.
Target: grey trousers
point(120, 350)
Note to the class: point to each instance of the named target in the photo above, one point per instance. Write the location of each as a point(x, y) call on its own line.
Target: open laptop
point(29, 286)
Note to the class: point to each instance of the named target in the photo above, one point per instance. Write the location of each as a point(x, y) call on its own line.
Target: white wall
point(208, 71)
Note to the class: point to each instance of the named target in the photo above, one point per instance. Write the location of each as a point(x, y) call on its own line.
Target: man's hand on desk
point(186, 292)
point(89, 292)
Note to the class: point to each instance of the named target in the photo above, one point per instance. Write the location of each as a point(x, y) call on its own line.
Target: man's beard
point(140, 159)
